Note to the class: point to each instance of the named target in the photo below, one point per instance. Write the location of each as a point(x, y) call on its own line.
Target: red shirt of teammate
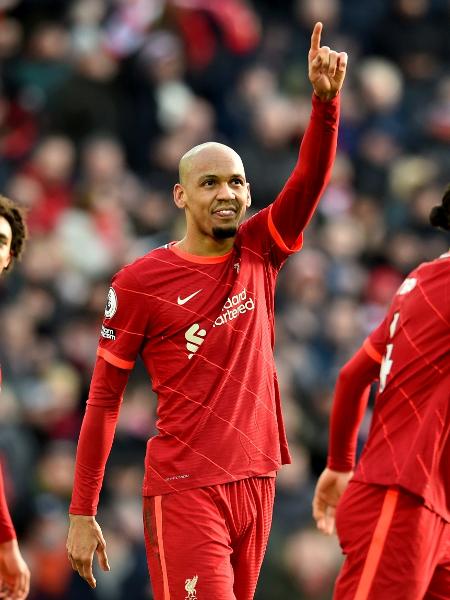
point(393, 520)
point(408, 443)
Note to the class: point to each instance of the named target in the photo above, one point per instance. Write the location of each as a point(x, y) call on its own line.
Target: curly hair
point(440, 215)
point(15, 217)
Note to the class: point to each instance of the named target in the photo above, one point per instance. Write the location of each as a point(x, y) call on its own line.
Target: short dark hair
point(440, 215)
point(10, 211)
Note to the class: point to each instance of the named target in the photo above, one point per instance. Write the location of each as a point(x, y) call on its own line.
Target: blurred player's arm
point(7, 531)
point(349, 405)
point(14, 573)
point(295, 205)
point(85, 537)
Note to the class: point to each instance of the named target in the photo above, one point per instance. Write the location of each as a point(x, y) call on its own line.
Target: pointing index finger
point(315, 37)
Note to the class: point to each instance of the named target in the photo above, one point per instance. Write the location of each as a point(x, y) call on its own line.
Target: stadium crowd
point(98, 101)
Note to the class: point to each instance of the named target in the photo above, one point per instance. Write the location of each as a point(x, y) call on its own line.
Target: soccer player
point(14, 573)
point(200, 312)
point(393, 521)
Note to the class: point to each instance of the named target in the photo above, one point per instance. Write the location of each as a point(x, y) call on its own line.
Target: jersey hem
point(153, 489)
point(393, 482)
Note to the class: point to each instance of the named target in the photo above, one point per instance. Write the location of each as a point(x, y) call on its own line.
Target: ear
point(249, 196)
point(179, 195)
point(8, 261)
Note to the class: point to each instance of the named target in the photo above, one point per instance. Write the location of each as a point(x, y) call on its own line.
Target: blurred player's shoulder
point(444, 256)
point(440, 264)
point(427, 273)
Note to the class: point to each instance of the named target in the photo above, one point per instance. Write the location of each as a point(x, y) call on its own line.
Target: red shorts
point(208, 542)
point(396, 548)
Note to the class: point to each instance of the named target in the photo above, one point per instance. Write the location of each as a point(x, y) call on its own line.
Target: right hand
point(329, 489)
point(84, 539)
point(326, 67)
point(14, 572)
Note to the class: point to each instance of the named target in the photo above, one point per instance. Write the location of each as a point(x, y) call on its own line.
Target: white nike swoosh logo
point(182, 301)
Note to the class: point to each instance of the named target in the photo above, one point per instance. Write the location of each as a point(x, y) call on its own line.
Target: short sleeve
point(375, 343)
point(125, 321)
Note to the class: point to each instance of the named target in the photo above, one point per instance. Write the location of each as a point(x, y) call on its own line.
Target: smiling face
point(5, 243)
point(213, 192)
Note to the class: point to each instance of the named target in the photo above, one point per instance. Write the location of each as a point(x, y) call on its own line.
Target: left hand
point(85, 538)
point(329, 489)
point(14, 573)
point(326, 68)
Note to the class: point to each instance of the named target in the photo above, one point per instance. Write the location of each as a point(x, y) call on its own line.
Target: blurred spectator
point(98, 222)
point(89, 101)
point(412, 35)
point(33, 75)
point(44, 183)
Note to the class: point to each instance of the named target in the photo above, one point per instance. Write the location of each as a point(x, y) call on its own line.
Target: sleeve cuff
point(7, 536)
point(324, 103)
point(82, 512)
point(340, 466)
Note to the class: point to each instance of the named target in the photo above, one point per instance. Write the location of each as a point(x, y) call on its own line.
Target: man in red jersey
point(14, 573)
point(200, 314)
point(393, 520)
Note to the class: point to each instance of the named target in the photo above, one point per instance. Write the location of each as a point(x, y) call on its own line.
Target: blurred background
point(98, 101)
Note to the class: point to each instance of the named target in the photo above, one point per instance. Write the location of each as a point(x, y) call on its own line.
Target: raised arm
point(296, 203)
point(85, 537)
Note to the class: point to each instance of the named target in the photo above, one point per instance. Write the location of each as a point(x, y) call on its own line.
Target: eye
point(208, 183)
point(237, 181)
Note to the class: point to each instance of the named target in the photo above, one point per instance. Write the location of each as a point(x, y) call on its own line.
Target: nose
point(226, 192)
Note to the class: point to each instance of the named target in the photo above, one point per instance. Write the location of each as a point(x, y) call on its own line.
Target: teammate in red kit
point(393, 520)
point(14, 573)
point(200, 314)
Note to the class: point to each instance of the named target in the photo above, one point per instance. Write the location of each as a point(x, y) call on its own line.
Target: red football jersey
point(205, 330)
point(409, 441)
